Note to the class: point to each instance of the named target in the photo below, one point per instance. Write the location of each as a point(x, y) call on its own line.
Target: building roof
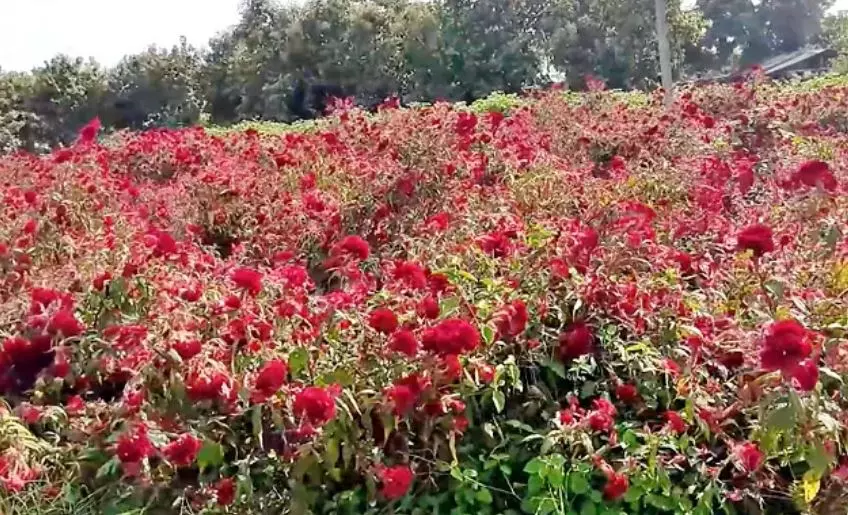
point(782, 62)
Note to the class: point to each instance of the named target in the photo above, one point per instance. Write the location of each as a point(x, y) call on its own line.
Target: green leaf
point(534, 466)
point(210, 455)
point(298, 359)
point(810, 485)
point(488, 334)
point(556, 367)
point(499, 399)
point(448, 306)
point(782, 419)
point(331, 452)
point(588, 508)
point(661, 502)
point(578, 483)
point(109, 469)
point(484, 496)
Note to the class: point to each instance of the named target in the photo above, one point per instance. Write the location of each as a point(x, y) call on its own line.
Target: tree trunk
point(665, 51)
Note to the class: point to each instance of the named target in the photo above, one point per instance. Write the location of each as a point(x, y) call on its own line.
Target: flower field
point(582, 304)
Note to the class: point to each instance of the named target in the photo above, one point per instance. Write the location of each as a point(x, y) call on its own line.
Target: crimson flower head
point(750, 456)
point(134, 445)
point(352, 247)
point(511, 320)
point(576, 341)
point(383, 320)
point(451, 337)
point(616, 486)
point(815, 173)
point(65, 323)
point(785, 345)
point(225, 491)
point(248, 279)
point(404, 342)
point(182, 451)
point(496, 244)
point(410, 274)
point(675, 422)
point(269, 380)
point(89, 132)
point(187, 349)
point(806, 375)
point(757, 238)
point(395, 481)
point(402, 397)
point(627, 393)
point(428, 308)
point(315, 405)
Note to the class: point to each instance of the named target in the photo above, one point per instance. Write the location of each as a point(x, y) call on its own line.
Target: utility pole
point(665, 51)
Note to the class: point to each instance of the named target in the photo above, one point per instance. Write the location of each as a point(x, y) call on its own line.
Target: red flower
point(512, 319)
point(750, 456)
point(627, 393)
point(225, 491)
point(352, 247)
point(451, 337)
point(496, 244)
point(383, 320)
point(757, 238)
point(134, 445)
point(486, 373)
point(815, 173)
point(64, 323)
point(182, 451)
point(89, 132)
point(404, 342)
point(269, 380)
point(576, 341)
point(402, 397)
point(248, 279)
point(395, 481)
point(315, 405)
point(616, 486)
point(187, 349)
point(410, 275)
point(675, 422)
point(74, 405)
point(806, 375)
point(785, 345)
point(602, 418)
point(428, 308)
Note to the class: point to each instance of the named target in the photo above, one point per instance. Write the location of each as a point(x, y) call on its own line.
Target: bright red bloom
point(225, 491)
point(315, 405)
point(395, 481)
point(269, 380)
point(182, 451)
point(248, 279)
point(627, 393)
point(757, 238)
point(616, 486)
point(352, 247)
point(409, 274)
point(134, 445)
point(404, 342)
point(576, 341)
point(15, 472)
point(187, 349)
point(511, 320)
point(428, 308)
point(806, 375)
point(675, 422)
point(402, 397)
point(65, 323)
point(383, 320)
point(602, 418)
point(496, 244)
point(784, 346)
point(750, 456)
point(74, 405)
point(451, 337)
point(815, 173)
point(89, 131)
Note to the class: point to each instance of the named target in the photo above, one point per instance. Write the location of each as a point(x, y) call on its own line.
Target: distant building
point(804, 62)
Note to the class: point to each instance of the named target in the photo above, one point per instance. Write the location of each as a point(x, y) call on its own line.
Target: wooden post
point(665, 51)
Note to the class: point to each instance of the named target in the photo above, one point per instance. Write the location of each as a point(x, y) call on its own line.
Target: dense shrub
point(589, 305)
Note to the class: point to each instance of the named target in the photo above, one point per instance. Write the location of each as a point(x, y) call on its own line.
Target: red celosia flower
point(64, 323)
point(486, 373)
point(428, 308)
point(74, 405)
point(134, 445)
point(225, 491)
point(576, 341)
point(627, 393)
point(757, 238)
point(675, 422)
point(784, 346)
point(410, 275)
point(602, 418)
point(806, 375)
point(451, 337)
point(383, 320)
point(187, 349)
point(404, 342)
point(496, 244)
point(248, 279)
point(815, 173)
point(15, 472)
point(315, 405)
point(402, 397)
point(616, 486)
point(182, 451)
point(89, 131)
point(269, 380)
point(395, 481)
point(352, 247)
point(750, 456)
point(512, 319)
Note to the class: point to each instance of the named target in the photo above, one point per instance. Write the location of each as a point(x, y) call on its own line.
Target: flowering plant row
point(580, 306)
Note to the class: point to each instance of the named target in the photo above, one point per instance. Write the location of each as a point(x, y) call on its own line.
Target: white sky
point(32, 31)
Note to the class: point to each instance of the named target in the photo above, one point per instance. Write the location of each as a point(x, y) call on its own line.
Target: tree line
point(283, 63)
